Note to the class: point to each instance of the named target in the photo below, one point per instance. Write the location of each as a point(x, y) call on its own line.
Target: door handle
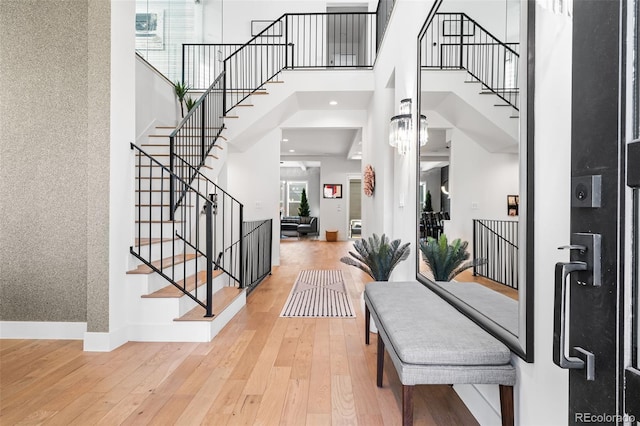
point(561, 355)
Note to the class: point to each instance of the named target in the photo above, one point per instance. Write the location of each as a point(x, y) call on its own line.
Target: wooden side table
point(331, 235)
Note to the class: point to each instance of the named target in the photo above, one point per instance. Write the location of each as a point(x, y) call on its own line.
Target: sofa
point(296, 225)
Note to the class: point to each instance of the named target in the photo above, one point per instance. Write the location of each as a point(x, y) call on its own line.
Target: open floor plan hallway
point(261, 369)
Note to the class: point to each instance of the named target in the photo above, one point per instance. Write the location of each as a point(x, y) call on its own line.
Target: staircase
point(170, 271)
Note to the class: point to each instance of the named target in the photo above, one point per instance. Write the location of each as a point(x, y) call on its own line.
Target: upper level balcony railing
point(310, 40)
point(455, 41)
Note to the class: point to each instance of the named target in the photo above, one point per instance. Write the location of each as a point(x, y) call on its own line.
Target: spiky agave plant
point(447, 260)
point(377, 256)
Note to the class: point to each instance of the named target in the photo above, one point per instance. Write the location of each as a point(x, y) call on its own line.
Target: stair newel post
point(203, 149)
point(172, 179)
point(241, 247)
point(286, 41)
point(461, 39)
point(209, 208)
point(224, 87)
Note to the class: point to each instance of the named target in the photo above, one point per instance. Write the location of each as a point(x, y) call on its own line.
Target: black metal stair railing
point(226, 222)
point(455, 41)
point(258, 241)
point(181, 246)
point(496, 241)
point(193, 139)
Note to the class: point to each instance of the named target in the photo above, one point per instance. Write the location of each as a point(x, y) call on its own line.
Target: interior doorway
point(355, 207)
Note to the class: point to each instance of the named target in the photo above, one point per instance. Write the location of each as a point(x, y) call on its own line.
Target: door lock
point(586, 264)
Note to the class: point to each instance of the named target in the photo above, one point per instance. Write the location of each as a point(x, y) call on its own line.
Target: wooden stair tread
point(147, 241)
point(230, 116)
point(162, 205)
point(192, 281)
point(169, 155)
point(159, 221)
point(164, 263)
point(221, 299)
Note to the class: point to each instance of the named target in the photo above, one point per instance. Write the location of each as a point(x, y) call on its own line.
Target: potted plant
point(303, 210)
point(181, 90)
point(447, 260)
point(377, 256)
point(427, 202)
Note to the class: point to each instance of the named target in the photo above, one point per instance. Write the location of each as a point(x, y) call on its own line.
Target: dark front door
point(596, 309)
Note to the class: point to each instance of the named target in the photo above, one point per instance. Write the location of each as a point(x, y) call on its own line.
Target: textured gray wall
point(54, 160)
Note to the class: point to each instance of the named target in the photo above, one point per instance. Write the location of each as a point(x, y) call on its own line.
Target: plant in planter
point(189, 102)
point(303, 211)
point(181, 90)
point(377, 256)
point(427, 202)
point(447, 260)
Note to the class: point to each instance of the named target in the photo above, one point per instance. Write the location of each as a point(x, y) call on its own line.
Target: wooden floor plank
point(260, 369)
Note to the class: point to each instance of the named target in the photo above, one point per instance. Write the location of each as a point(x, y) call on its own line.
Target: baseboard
point(104, 342)
point(483, 401)
point(42, 330)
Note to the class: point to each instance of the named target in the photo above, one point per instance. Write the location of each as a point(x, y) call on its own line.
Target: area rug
point(319, 294)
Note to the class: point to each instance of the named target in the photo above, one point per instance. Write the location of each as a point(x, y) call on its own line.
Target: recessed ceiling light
point(292, 150)
point(285, 140)
point(333, 103)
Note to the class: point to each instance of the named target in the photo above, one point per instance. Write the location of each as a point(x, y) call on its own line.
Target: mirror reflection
point(471, 172)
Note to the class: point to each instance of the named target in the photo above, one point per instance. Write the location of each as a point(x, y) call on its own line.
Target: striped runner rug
point(319, 293)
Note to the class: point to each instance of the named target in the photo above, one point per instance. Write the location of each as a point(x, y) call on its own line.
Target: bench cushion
point(426, 330)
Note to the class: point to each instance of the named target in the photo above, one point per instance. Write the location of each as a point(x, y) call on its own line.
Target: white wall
point(121, 210)
point(542, 396)
point(253, 178)
point(392, 209)
point(479, 183)
point(334, 212)
point(490, 14)
point(237, 23)
point(157, 103)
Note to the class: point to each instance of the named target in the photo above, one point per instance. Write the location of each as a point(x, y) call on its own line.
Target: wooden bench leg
point(506, 405)
point(380, 361)
point(407, 405)
point(367, 323)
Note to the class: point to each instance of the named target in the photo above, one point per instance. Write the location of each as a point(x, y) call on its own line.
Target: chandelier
point(401, 128)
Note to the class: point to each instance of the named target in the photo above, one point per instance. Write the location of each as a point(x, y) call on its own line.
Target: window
point(290, 195)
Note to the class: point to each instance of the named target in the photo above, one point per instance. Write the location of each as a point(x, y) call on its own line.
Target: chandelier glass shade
point(401, 128)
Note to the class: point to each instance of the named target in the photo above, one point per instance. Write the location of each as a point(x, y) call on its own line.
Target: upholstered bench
point(430, 342)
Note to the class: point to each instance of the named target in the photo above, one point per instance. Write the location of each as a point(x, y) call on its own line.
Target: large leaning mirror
point(475, 174)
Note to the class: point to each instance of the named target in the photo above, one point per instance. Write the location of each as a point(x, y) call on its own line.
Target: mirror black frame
point(522, 345)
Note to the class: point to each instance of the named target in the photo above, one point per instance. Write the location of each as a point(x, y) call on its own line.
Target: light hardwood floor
point(261, 369)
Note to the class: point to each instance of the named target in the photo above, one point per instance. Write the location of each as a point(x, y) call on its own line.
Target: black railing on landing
point(383, 14)
point(455, 41)
point(193, 139)
point(496, 241)
point(296, 40)
point(178, 245)
point(257, 243)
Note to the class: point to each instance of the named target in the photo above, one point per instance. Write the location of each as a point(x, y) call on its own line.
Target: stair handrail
point(495, 233)
point(208, 207)
point(486, 61)
point(195, 136)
